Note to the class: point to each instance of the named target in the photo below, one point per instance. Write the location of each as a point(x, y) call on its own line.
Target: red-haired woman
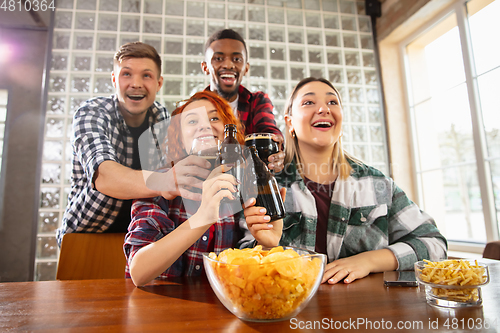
point(163, 239)
point(180, 133)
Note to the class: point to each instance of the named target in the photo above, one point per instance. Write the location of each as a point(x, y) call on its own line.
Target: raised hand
point(181, 180)
point(277, 161)
point(218, 185)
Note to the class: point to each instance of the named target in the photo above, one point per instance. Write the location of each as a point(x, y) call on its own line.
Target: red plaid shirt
point(154, 218)
point(255, 111)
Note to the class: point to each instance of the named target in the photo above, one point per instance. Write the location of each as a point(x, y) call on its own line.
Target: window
point(452, 71)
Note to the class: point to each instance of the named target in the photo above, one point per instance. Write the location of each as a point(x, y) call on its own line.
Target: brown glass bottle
point(230, 155)
point(268, 194)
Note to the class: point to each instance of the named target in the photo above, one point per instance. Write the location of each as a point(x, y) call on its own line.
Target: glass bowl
point(271, 291)
point(453, 285)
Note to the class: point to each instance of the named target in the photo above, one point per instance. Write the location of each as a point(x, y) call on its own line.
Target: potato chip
point(276, 249)
point(266, 284)
point(289, 268)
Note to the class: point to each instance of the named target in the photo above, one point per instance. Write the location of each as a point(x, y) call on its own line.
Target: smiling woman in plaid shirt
point(165, 239)
point(339, 206)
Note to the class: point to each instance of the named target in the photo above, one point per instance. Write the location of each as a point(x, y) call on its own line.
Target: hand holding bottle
point(265, 233)
point(261, 184)
point(217, 186)
point(277, 161)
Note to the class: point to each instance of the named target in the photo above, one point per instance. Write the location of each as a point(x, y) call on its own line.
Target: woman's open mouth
point(322, 124)
point(206, 137)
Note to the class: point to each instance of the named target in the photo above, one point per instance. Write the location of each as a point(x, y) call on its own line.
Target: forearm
point(121, 182)
point(380, 260)
point(153, 259)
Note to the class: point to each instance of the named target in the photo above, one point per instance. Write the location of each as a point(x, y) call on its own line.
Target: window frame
point(459, 8)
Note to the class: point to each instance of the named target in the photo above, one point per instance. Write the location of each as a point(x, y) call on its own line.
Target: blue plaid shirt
point(100, 134)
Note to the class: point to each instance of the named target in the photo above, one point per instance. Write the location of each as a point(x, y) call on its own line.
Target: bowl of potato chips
point(452, 283)
point(258, 284)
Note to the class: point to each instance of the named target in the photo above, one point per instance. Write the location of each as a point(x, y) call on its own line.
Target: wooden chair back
point(492, 250)
point(91, 256)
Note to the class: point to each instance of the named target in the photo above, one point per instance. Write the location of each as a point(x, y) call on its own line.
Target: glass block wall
point(287, 41)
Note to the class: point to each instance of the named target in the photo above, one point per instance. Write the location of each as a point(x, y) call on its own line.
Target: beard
point(227, 95)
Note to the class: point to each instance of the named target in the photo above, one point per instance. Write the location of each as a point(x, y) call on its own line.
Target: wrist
point(381, 260)
point(166, 195)
point(200, 220)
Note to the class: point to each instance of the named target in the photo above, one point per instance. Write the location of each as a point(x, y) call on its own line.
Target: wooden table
point(184, 305)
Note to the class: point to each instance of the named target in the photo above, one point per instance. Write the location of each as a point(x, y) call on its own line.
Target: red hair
point(174, 143)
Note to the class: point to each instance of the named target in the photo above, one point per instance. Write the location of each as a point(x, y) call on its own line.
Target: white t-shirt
point(234, 106)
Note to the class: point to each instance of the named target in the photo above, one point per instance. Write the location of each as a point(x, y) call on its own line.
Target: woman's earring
point(292, 134)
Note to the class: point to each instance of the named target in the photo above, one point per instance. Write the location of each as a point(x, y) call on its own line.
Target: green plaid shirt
point(367, 212)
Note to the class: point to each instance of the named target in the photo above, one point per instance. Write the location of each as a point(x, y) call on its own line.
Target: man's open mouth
point(136, 97)
point(228, 78)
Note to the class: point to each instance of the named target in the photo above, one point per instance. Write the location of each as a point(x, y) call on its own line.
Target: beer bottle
point(230, 155)
point(268, 194)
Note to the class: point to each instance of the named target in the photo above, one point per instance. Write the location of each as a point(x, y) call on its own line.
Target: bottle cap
point(230, 127)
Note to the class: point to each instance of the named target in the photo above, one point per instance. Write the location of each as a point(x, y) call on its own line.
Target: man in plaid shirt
point(226, 61)
point(106, 173)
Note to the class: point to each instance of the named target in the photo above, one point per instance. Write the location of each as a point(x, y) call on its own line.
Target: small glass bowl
point(454, 295)
point(267, 292)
